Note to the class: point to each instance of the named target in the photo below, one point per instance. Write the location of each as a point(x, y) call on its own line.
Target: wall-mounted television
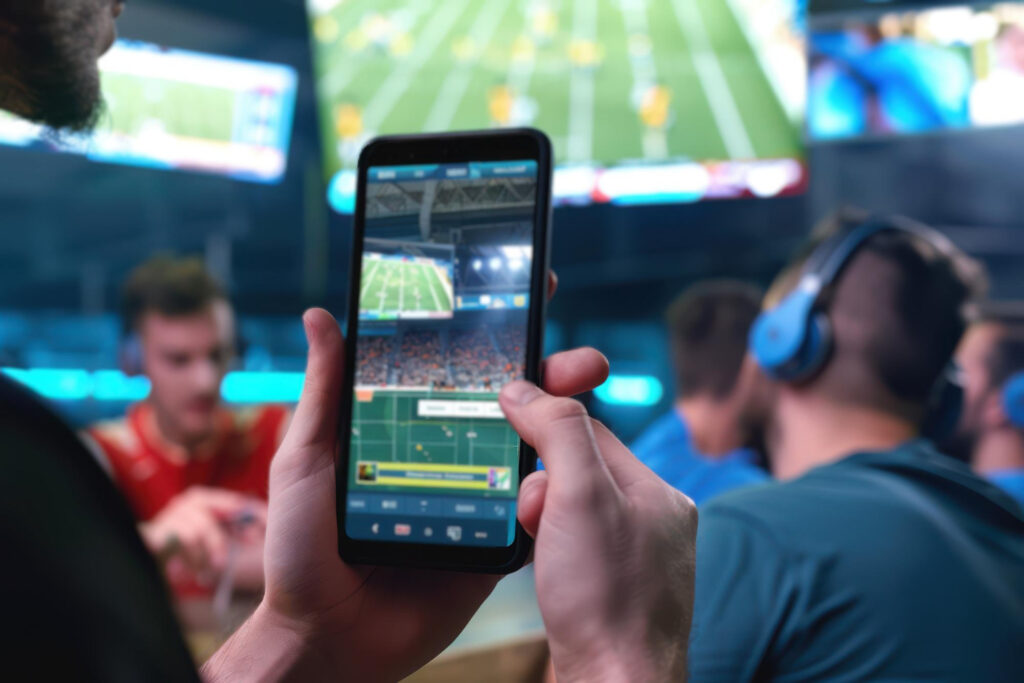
point(176, 109)
point(645, 101)
point(895, 70)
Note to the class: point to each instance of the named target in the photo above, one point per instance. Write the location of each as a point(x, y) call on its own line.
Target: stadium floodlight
point(478, 264)
point(495, 263)
point(515, 264)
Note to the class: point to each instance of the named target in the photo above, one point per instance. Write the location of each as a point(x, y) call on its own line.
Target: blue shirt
point(1011, 481)
point(666, 448)
point(899, 565)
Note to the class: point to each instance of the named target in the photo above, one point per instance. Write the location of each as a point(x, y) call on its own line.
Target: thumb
point(316, 417)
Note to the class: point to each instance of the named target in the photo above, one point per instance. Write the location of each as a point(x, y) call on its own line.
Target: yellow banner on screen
point(434, 475)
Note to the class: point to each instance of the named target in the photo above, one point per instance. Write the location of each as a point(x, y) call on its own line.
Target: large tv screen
point(916, 70)
point(644, 100)
point(176, 109)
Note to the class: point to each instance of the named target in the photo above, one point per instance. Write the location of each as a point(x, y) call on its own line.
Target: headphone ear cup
point(816, 349)
point(1013, 399)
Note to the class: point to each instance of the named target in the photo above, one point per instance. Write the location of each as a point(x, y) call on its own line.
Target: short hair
point(169, 286)
point(708, 327)
point(898, 311)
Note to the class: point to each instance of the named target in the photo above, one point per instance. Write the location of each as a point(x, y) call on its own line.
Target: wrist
point(269, 646)
point(624, 660)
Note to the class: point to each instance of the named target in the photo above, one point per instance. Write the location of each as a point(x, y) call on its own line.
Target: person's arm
point(744, 581)
point(323, 619)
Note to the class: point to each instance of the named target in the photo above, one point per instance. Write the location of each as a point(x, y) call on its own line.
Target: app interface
point(443, 308)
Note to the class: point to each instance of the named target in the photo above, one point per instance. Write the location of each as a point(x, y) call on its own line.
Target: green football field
point(387, 429)
point(608, 80)
point(182, 109)
point(391, 289)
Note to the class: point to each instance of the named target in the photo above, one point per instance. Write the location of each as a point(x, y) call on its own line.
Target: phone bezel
point(484, 146)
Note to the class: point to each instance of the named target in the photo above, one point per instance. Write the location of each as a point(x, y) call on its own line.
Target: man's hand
point(615, 547)
point(322, 618)
point(195, 527)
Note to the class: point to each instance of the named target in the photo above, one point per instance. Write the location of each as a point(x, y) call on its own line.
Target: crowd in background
point(474, 359)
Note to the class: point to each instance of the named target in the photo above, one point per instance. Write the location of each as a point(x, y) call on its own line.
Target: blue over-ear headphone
point(792, 341)
point(1013, 399)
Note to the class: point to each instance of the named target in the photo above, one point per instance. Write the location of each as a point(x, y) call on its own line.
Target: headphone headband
point(831, 257)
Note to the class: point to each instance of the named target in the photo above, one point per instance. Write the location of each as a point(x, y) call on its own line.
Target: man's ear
point(993, 414)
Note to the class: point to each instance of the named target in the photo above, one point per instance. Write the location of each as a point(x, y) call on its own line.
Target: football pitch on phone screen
point(387, 427)
point(393, 288)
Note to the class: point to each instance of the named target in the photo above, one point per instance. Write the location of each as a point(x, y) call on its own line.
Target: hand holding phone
point(321, 616)
point(448, 290)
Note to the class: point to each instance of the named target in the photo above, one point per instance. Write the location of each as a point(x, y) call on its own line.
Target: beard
point(53, 78)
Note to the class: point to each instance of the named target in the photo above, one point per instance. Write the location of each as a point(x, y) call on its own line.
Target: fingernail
point(521, 392)
point(309, 327)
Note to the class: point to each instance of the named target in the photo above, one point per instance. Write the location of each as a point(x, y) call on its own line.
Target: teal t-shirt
point(894, 566)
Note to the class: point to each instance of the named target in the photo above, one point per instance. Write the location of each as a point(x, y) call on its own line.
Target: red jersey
point(150, 471)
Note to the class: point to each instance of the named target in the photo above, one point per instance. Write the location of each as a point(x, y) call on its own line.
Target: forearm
point(267, 649)
point(623, 661)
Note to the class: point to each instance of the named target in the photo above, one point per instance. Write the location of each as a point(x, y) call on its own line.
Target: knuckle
point(565, 410)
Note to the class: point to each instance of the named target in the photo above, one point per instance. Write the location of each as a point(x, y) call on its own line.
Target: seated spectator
point(991, 430)
point(701, 446)
point(875, 557)
point(194, 472)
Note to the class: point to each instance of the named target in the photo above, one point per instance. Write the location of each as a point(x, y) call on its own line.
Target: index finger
point(560, 430)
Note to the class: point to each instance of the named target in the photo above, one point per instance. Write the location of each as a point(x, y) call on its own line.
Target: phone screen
point(444, 305)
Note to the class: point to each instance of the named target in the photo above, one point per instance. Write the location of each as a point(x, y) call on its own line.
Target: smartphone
point(447, 298)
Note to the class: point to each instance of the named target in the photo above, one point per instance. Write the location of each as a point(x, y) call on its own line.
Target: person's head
point(990, 354)
point(896, 311)
point(180, 319)
point(48, 58)
point(708, 325)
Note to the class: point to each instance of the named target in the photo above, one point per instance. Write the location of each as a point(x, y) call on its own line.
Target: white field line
point(645, 71)
point(520, 73)
point(454, 89)
point(391, 91)
point(581, 86)
point(712, 79)
point(367, 281)
point(384, 289)
point(430, 285)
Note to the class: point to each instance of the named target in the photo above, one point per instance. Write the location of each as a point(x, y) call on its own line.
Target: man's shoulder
point(795, 509)
point(115, 434)
point(668, 427)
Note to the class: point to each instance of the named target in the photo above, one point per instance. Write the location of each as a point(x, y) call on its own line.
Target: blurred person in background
point(83, 597)
point(991, 429)
point(875, 556)
point(194, 471)
point(706, 444)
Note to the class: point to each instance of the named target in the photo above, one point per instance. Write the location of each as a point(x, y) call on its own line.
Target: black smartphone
point(447, 298)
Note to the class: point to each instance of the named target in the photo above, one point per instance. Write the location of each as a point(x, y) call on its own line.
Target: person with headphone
point(991, 430)
point(874, 556)
point(194, 472)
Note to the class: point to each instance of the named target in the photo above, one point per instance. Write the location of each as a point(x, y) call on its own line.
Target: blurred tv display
point(174, 109)
point(916, 71)
point(645, 100)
